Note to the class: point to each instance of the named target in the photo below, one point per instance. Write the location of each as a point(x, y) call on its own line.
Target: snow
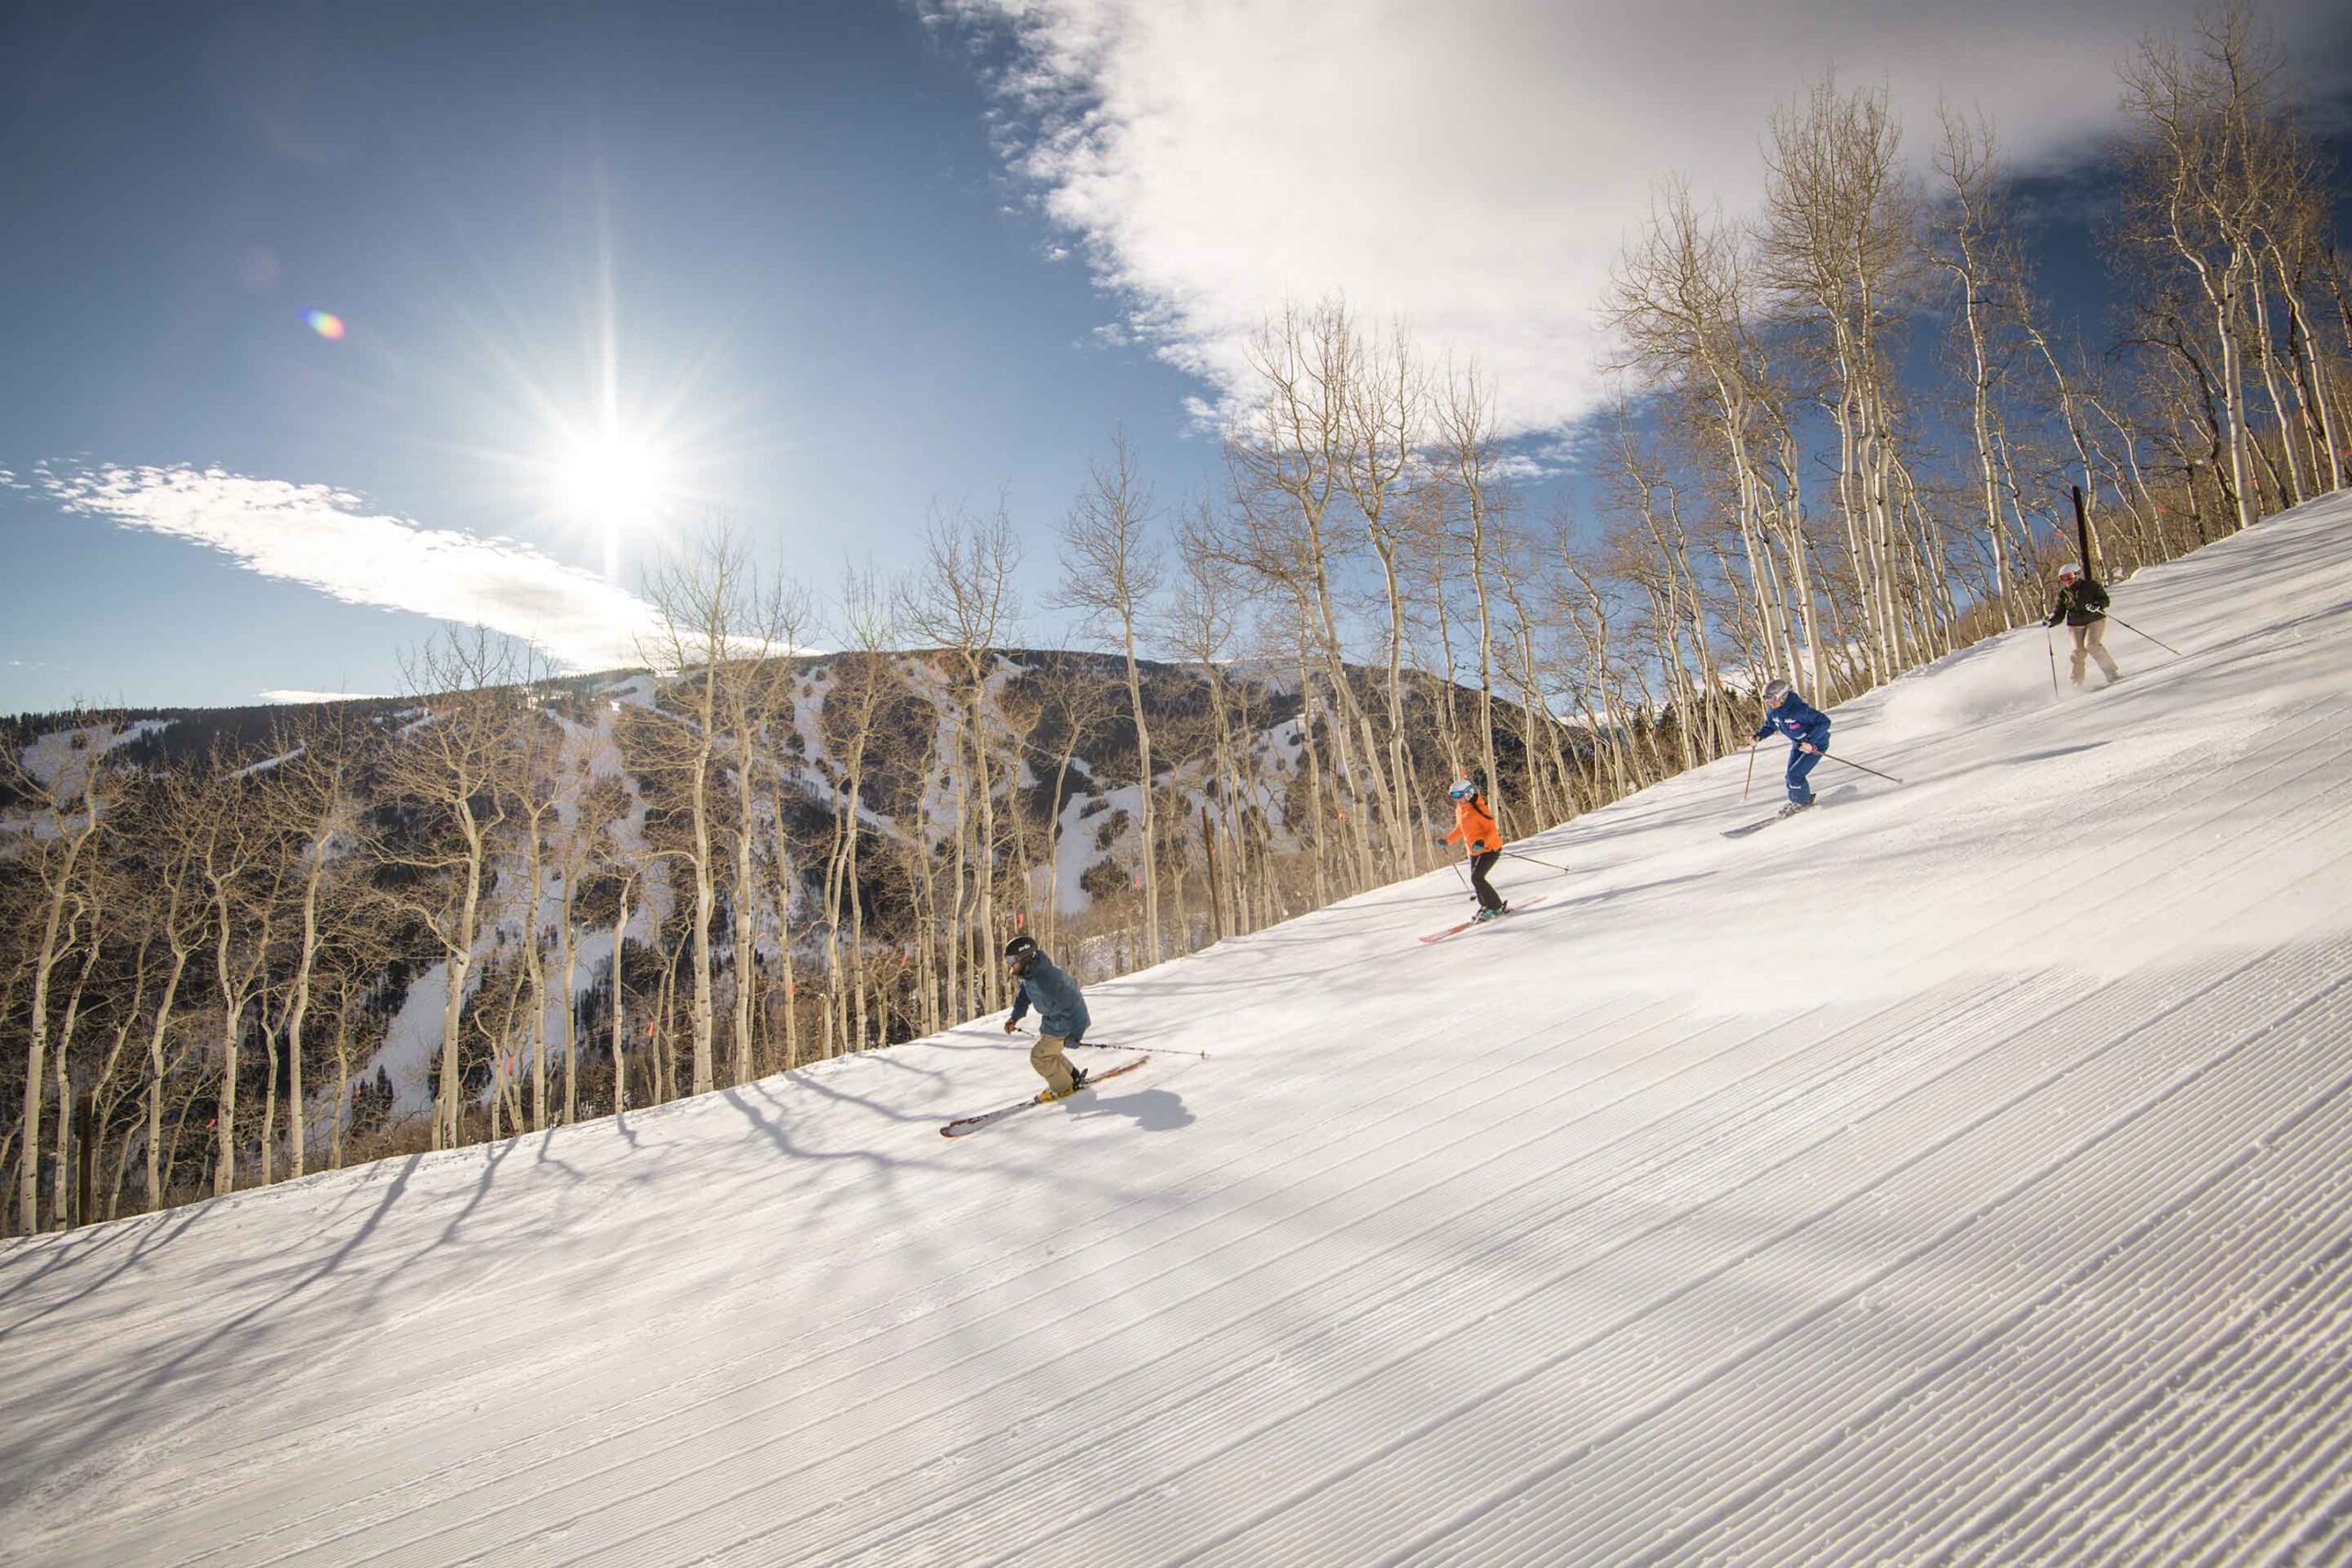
point(1960, 1172)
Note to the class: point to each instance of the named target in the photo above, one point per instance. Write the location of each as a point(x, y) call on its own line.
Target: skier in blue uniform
point(1062, 1015)
point(1807, 729)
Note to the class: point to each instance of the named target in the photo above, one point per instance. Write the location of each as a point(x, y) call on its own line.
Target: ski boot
point(1792, 807)
point(1483, 916)
point(1046, 1096)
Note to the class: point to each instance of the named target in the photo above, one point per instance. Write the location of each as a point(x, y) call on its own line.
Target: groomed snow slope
point(1960, 1173)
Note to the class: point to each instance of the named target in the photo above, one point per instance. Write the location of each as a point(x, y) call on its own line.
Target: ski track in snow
point(1960, 1176)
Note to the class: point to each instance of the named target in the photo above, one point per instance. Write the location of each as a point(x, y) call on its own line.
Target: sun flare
point(614, 480)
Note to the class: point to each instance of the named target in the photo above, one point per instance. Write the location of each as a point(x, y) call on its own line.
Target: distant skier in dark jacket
point(2082, 604)
point(1807, 729)
point(1475, 830)
point(1062, 1015)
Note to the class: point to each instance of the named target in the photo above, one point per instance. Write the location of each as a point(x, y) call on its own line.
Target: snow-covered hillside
point(1960, 1173)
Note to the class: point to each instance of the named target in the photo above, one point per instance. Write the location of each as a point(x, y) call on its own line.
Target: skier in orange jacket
point(1481, 840)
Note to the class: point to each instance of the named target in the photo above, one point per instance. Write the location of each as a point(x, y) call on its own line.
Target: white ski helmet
point(2071, 571)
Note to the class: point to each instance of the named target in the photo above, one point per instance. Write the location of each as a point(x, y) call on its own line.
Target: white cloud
point(319, 536)
point(1474, 164)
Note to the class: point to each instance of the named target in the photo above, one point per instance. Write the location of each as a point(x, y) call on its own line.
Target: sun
point(614, 480)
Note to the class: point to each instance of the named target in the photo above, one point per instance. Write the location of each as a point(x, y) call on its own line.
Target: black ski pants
point(1479, 866)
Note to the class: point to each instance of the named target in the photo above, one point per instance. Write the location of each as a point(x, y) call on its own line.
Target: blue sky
point(852, 258)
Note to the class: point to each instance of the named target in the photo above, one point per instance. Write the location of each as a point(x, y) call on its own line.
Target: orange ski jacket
point(1474, 827)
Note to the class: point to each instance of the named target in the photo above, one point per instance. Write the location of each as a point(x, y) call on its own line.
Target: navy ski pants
point(1801, 763)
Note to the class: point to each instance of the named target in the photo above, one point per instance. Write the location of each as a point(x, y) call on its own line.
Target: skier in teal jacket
point(1062, 1017)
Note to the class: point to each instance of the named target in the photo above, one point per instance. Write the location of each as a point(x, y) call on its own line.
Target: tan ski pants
point(1051, 1064)
point(2091, 641)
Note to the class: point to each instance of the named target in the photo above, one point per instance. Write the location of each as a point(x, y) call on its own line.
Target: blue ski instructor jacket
point(1797, 719)
point(1061, 1006)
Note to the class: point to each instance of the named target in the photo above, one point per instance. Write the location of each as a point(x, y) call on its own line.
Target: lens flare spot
point(326, 323)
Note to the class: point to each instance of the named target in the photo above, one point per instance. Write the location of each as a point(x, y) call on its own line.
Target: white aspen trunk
point(155, 1069)
point(298, 1007)
point(620, 1025)
point(986, 970)
point(746, 902)
point(704, 1017)
point(2329, 440)
point(342, 1084)
point(448, 1124)
point(569, 947)
point(2265, 350)
point(1310, 747)
point(535, 975)
point(784, 880)
point(1147, 820)
point(36, 1064)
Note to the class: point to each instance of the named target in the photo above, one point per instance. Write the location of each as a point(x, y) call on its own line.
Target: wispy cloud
point(323, 538)
point(1474, 166)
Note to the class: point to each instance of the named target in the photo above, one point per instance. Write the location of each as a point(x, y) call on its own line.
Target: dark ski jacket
point(1061, 1006)
point(2079, 604)
point(1797, 719)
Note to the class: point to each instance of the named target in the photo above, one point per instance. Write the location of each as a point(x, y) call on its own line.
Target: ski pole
point(2050, 643)
point(1751, 769)
point(1460, 875)
point(1865, 767)
point(1148, 1050)
point(2137, 632)
point(1533, 861)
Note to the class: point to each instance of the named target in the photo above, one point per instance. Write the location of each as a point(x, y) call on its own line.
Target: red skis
point(966, 1124)
point(1457, 931)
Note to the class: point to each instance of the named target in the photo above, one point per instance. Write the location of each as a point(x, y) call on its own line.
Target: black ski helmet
point(1020, 952)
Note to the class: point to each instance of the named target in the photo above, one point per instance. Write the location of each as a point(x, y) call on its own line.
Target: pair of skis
point(1474, 920)
point(964, 1126)
point(1822, 799)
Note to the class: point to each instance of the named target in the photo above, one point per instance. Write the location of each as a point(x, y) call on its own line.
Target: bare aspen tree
point(1385, 425)
point(1970, 250)
point(1073, 695)
point(1836, 243)
point(1679, 301)
point(240, 863)
point(446, 768)
point(698, 607)
point(310, 792)
point(70, 810)
point(1287, 456)
point(961, 603)
point(1467, 439)
point(757, 688)
point(860, 678)
point(1111, 574)
point(2199, 185)
point(167, 839)
point(1203, 625)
